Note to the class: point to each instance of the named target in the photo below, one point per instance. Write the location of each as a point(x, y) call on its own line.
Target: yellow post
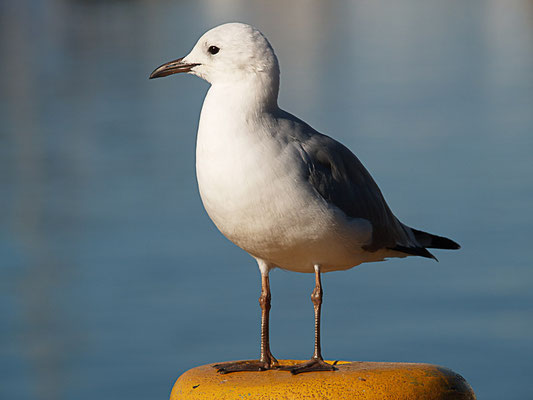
point(352, 380)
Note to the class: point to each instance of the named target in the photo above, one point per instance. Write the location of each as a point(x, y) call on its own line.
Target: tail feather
point(414, 251)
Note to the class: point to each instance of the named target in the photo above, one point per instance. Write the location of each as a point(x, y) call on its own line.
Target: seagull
point(288, 195)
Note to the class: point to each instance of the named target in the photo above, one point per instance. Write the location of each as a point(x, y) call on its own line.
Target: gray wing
point(340, 178)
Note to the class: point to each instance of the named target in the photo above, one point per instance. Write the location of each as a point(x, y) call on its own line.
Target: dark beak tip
point(172, 67)
point(157, 73)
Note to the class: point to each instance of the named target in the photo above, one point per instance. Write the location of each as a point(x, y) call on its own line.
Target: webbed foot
point(246, 365)
point(314, 364)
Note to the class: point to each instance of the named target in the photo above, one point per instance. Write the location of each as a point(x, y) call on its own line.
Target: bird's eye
point(213, 50)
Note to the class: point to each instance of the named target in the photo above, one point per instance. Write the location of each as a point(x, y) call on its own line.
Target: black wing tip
point(439, 242)
point(432, 241)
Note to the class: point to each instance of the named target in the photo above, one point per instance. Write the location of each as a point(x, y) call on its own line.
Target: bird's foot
point(246, 365)
point(313, 365)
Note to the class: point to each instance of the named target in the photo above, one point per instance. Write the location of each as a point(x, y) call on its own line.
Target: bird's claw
point(245, 365)
point(313, 365)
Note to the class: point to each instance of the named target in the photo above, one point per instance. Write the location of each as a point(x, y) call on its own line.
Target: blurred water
point(114, 281)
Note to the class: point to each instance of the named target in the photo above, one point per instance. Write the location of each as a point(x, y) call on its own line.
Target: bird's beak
point(172, 67)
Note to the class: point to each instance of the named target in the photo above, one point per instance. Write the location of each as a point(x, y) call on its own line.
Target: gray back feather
point(340, 178)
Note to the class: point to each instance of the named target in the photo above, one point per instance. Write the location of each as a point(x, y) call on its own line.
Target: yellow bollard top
point(352, 380)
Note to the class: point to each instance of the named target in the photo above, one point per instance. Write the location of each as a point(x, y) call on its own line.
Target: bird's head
point(226, 54)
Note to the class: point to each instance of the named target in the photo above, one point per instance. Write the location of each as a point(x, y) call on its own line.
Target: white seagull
point(290, 196)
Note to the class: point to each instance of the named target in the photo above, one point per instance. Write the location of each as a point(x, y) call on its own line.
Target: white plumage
point(288, 195)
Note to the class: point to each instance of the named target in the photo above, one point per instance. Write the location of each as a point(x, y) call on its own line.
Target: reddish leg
point(266, 360)
point(316, 363)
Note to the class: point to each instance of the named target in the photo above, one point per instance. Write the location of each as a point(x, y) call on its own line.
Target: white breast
point(247, 180)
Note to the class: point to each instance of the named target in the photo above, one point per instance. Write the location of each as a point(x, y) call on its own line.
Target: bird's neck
point(248, 96)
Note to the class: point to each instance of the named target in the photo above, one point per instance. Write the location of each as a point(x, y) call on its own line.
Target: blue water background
point(113, 280)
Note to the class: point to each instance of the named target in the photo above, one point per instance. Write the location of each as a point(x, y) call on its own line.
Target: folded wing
point(342, 180)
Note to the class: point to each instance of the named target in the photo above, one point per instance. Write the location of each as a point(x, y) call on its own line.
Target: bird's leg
point(264, 301)
point(266, 359)
point(316, 363)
